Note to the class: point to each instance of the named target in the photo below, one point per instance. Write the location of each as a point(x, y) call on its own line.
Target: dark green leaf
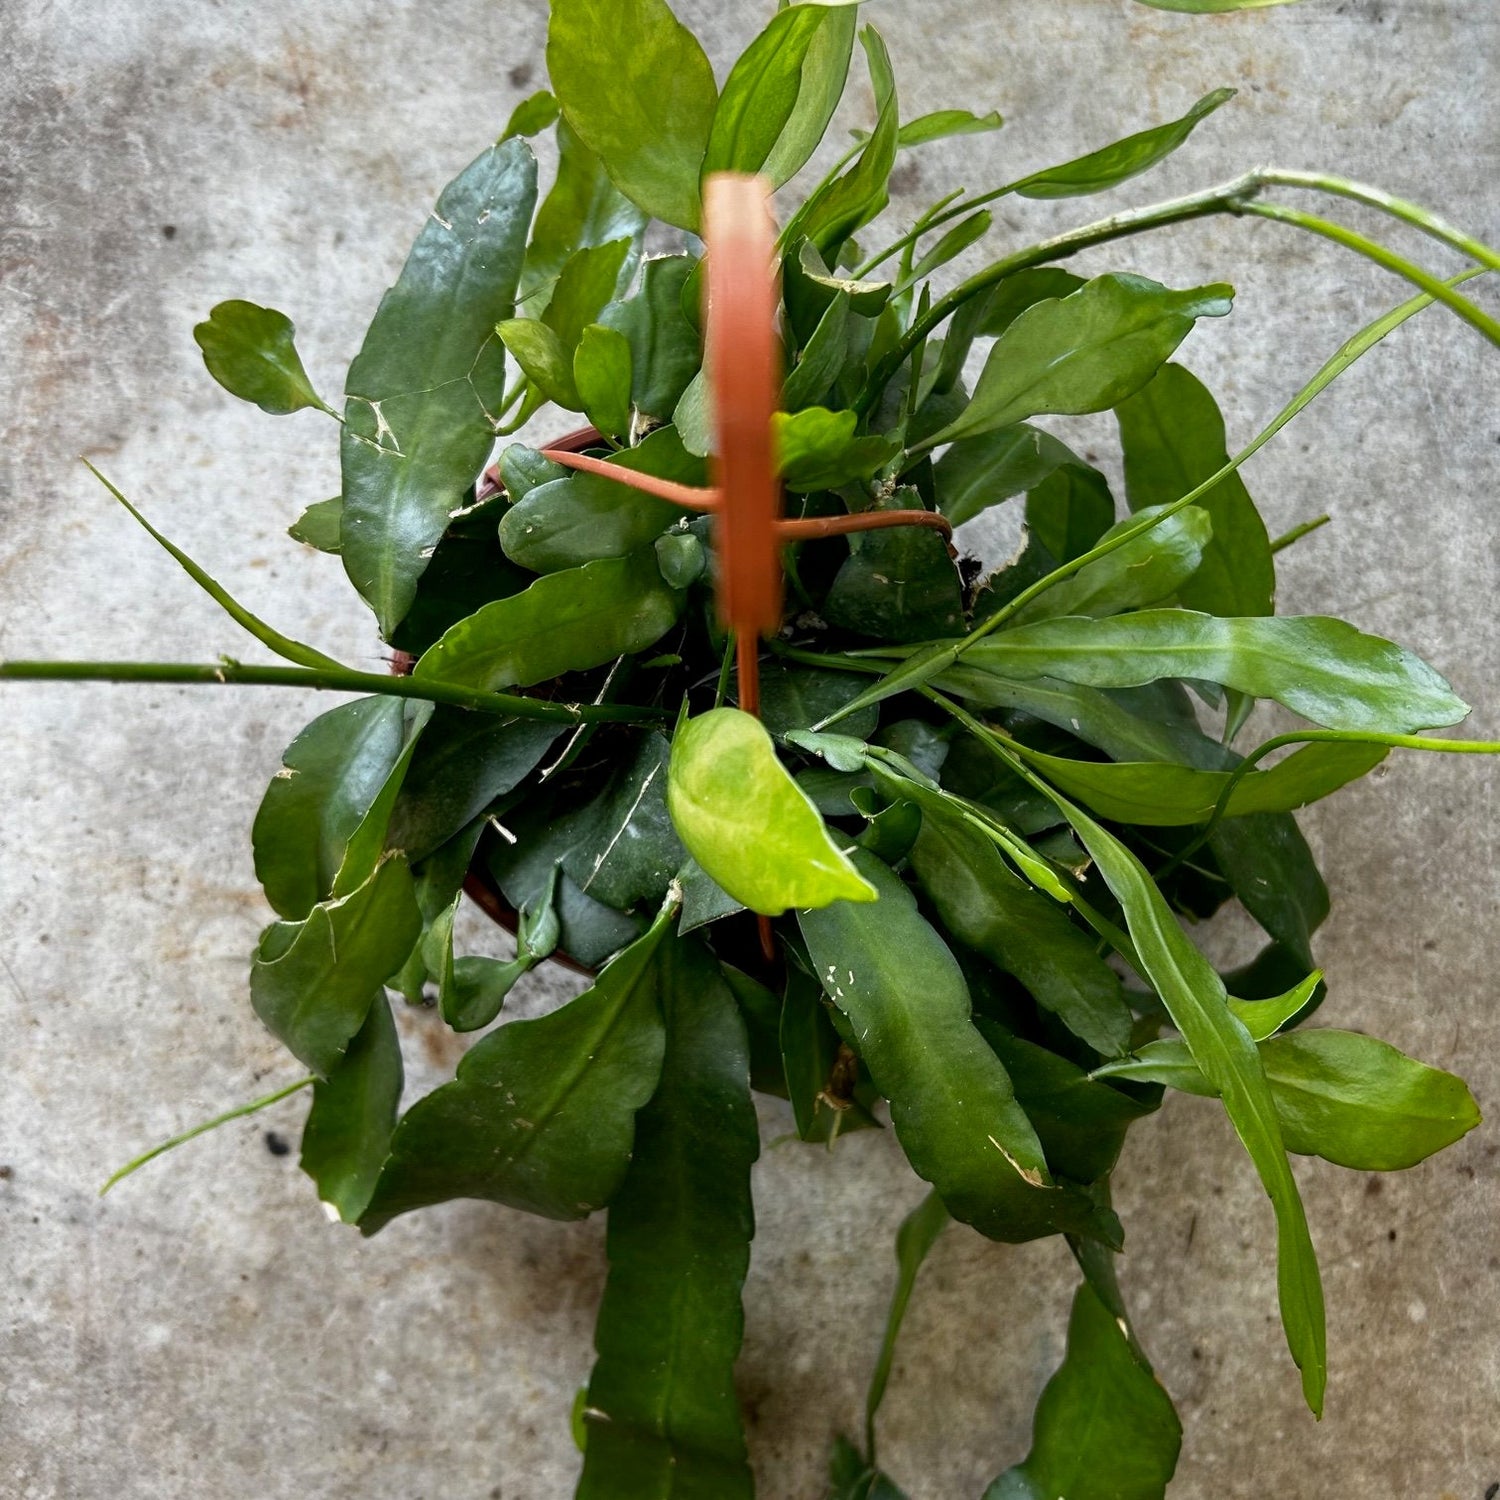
point(602, 375)
point(761, 1011)
point(583, 208)
point(1080, 1121)
point(1318, 667)
point(976, 473)
point(1085, 352)
point(583, 517)
point(565, 622)
point(1104, 1430)
point(249, 351)
point(898, 585)
point(331, 776)
point(665, 348)
point(319, 525)
point(809, 1050)
point(821, 359)
point(1069, 511)
point(748, 823)
point(817, 449)
point(793, 697)
point(1270, 868)
point(1128, 158)
point(639, 91)
point(681, 558)
point(952, 1104)
point(854, 1479)
point(662, 1414)
point(1155, 795)
point(311, 982)
point(542, 1113)
point(348, 1131)
point(421, 392)
point(993, 911)
point(531, 116)
point(1173, 437)
point(462, 763)
point(809, 287)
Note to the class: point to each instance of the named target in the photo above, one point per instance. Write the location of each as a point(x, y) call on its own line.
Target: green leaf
point(1318, 667)
point(665, 348)
point(462, 763)
point(919, 1232)
point(839, 207)
point(542, 1113)
point(662, 1415)
point(952, 1106)
point(1080, 1122)
point(1212, 7)
point(809, 1046)
point(897, 585)
point(817, 449)
point(1354, 1101)
point(749, 825)
point(1264, 1018)
point(854, 1479)
point(950, 246)
point(1195, 999)
point(348, 1130)
point(590, 279)
point(795, 697)
point(1069, 509)
point(990, 909)
point(565, 622)
point(583, 517)
point(1085, 352)
point(420, 393)
point(976, 473)
point(639, 91)
point(602, 376)
point(543, 359)
point(941, 124)
point(1127, 158)
point(531, 116)
point(319, 525)
point(809, 287)
point(1150, 794)
point(1360, 1103)
point(1104, 1428)
point(1148, 569)
point(764, 87)
point(825, 69)
point(822, 357)
point(990, 314)
point(311, 982)
point(681, 557)
point(1173, 437)
point(582, 208)
point(331, 777)
point(249, 351)
point(1270, 868)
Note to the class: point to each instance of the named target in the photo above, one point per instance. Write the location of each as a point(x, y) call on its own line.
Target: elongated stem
point(1316, 737)
point(1411, 213)
point(338, 680)
point(1382, 257)
point(237, 1113)
point(1214, 200)
point(1305, 528)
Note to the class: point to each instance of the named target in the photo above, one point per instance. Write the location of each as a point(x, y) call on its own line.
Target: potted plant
point(927, 874)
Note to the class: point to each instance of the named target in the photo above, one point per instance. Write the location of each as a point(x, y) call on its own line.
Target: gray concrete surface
point(203, 1331)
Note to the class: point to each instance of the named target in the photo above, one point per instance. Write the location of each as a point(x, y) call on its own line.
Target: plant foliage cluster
point(976, 808)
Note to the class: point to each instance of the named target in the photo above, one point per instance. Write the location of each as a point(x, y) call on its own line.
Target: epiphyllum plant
point(966, 814)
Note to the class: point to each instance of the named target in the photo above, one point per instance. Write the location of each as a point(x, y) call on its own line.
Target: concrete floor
point(203, 1331)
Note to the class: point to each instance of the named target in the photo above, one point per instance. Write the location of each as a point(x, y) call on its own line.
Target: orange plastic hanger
point(742, 360)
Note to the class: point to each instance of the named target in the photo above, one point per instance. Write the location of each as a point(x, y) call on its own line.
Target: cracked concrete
point(202, 1330)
